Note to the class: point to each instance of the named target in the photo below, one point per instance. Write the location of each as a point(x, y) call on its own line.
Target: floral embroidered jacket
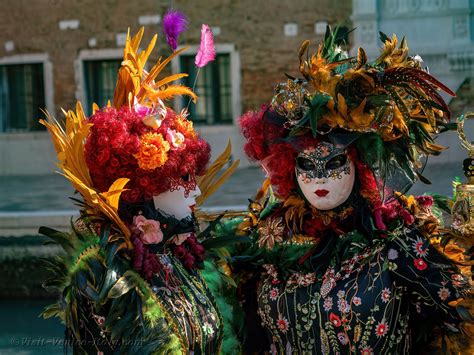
point(351, 292)
point(369, 305)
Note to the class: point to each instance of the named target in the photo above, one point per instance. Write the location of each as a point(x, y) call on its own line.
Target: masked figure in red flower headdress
point(133, 279)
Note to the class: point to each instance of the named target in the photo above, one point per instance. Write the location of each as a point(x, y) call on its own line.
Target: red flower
point(114, 162)
point(335, 320)
point(420, 264)
point(144, 181)
point(382, 329)
point(283, 324)
point(425, 201)
point(114, 139)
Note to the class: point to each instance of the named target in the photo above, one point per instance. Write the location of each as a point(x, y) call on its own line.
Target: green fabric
point(223, 297)
point(91, 272)
point(87, 274)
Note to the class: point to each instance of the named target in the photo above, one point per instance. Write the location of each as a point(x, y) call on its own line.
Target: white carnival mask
point(178, 201)
point(325, 175)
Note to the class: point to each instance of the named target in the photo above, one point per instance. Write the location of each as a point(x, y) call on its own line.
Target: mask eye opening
point(305, 164)
point(186, 178)
point(336, 162)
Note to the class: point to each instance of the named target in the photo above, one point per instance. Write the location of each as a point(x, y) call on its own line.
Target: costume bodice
point(367, 304)
point(194, 314)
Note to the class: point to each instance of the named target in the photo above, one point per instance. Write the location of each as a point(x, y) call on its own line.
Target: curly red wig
point(116, 140)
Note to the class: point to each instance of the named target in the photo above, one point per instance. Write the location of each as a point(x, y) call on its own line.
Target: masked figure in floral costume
point(341, 261)
point(130, 280)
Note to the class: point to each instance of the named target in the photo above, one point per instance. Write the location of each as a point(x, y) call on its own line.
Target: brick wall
point(255, 27)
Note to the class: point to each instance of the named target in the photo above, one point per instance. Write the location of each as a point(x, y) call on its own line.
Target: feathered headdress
point(391, 108)
point(135, 147)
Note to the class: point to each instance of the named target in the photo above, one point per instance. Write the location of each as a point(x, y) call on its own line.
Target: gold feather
point(135, 80)
point(206, 180)
point(169, 92)
point(208, 183)
point(170, 78)
point(303, 49)
point(361, 58)
point(113, 195)
point(69, 145)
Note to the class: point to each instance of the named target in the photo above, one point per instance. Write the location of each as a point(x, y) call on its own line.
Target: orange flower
point(153, 151)
point(334, 118)
point(360, 120)
point(184, 126)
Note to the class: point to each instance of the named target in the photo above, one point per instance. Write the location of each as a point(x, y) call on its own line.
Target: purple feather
point(174, 23)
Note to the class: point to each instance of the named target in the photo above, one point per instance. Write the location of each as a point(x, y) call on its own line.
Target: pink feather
point(207, 50)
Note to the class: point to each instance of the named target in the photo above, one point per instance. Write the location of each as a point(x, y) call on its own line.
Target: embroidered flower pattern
point(382, 329)
point(207, 328)
point(356, 301)
point(385, 296)
point(420, 264)
point(327, 305)
point(343, 338)
point(359, 304)
point(274, 294)
point(270, 232)
point(335, 320)
point(444, 293)
point(271, 271)
point(420, 247)
point(302, 280)
point(392, 254)
point(283, 324)
point(343, 306)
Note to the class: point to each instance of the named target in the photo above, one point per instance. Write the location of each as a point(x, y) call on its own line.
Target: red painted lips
point(321, 193)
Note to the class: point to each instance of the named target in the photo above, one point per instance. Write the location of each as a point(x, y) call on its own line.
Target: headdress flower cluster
point(138, 137)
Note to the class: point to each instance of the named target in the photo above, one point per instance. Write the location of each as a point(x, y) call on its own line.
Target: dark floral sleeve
point(429, 278)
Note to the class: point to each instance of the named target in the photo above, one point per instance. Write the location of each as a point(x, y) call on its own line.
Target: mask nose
point(320, 181)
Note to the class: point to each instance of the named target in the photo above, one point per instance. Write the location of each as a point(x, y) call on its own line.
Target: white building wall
point(29, 153)
point(438, 30)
